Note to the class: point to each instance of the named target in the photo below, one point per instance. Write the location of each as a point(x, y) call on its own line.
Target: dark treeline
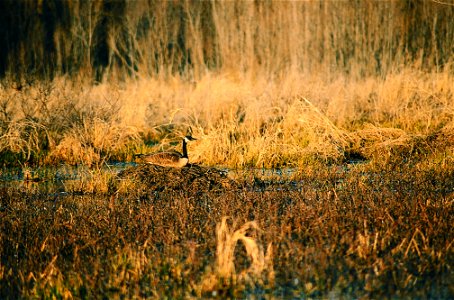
point(119, 38)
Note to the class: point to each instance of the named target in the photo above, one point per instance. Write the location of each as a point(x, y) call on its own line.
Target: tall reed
point(121, 39)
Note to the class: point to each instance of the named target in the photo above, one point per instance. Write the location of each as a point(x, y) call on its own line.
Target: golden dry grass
point(260, 270)
point(239, 122)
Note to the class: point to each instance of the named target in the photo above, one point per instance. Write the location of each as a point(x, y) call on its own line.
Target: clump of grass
point(96, 142)
point(224, 275)
point(59, 121)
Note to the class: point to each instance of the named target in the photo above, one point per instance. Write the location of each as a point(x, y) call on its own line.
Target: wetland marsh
point(323, 165)
point(352, 233)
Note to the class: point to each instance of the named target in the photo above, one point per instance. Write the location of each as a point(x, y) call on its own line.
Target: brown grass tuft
point(261, 265)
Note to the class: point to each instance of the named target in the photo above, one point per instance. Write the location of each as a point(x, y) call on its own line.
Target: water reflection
point(59, 180)
point(65, 179)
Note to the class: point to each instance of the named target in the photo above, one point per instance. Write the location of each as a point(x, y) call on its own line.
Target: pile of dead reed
point(152, 178)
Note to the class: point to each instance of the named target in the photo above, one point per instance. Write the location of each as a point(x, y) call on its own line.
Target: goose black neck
point(185, 150)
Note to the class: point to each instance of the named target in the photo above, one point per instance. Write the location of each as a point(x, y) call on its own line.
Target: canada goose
point(169, 158)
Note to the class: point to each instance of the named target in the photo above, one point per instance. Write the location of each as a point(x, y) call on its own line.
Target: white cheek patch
point(183, 162)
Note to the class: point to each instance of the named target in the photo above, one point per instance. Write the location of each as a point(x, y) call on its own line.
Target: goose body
point(173, 159)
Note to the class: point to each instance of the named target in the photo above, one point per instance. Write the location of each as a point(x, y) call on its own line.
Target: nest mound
point(191, 178)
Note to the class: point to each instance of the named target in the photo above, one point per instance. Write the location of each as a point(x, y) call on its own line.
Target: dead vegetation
point(240, 122)
point(361, 232)
point(313, 86)
point(149, 178)
point(274, 84)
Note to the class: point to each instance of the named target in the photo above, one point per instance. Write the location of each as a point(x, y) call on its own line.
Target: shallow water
point(64, 180)
point(58, 179)
point(51, 180)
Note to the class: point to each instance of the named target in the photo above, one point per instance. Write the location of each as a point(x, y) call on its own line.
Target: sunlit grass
point(224, 275)
point(238, 121)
